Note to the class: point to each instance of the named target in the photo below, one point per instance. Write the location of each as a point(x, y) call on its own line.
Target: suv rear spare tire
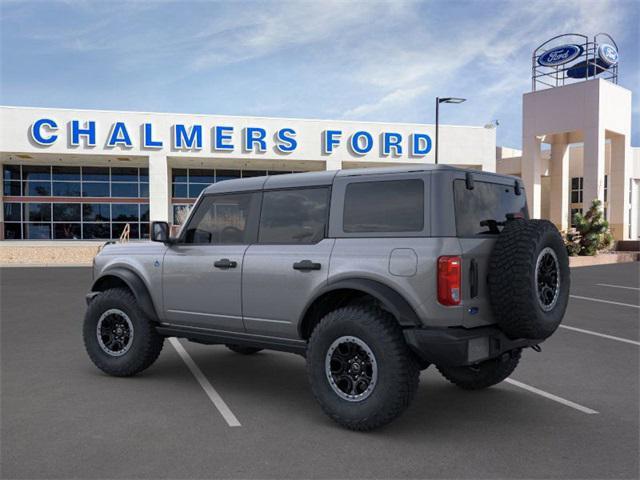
point(529, 279)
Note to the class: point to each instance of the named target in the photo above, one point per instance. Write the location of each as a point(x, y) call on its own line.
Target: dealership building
point(90, 175)
point(85, 174)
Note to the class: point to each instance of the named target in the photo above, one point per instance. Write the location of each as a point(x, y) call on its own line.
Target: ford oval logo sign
point(560, 55)
point(608, 54)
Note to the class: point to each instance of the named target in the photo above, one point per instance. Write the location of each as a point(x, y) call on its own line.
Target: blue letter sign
point(182, 139)
point(286, 140)
point(36, 131)
point(119, 136)
point(89, 131)
point(255, 136)
point(222, 136)
point(147, 138)
point(391, 140)
point(359, 148)
point(330, 140)
point(421, 144)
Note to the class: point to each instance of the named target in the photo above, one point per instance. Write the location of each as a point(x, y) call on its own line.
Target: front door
point(202, 272)
point(289, 262)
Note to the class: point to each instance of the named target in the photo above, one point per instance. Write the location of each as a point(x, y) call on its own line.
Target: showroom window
point(63, 181)
point(74, 221)
point(78, 202)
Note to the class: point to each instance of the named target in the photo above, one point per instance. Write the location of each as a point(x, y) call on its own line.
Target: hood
point(133, 248)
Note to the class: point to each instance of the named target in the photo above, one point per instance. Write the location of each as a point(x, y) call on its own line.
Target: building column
point(593, 164)
point(159, 188)
point(333, 164)
point(531, 173)
point(559, 172)
point(618, 187)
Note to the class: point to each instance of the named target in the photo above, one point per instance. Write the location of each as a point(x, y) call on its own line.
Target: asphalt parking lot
point(572, 411)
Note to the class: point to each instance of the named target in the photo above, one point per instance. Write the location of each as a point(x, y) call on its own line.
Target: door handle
point(225, 263)
point(306, 265)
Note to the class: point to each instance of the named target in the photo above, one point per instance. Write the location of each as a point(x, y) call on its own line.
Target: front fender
point(115, 275)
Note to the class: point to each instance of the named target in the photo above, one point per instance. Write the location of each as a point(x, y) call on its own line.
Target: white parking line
point(610, 337)
point(551, 396)
point(605, 301)
point(211, 392)
point(616, 286)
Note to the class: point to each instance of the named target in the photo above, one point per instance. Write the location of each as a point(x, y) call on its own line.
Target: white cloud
point(399, 97)
point(249, 35)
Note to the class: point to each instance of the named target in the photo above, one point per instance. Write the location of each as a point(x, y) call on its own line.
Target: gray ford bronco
point(370, 274)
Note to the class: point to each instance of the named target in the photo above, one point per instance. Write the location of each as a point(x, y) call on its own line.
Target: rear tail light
point(449, 280)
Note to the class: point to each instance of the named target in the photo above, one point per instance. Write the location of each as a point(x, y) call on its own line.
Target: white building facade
point(586, 128)
point(509, 162)
point(86, 174)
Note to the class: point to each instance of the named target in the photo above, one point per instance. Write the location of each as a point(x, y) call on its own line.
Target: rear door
point(289, 261)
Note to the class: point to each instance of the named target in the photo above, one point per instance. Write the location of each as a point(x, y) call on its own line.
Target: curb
point(43, 265)
point(604, 259)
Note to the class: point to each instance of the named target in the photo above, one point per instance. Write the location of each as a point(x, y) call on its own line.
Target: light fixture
point(451, 100)
point(440, 100)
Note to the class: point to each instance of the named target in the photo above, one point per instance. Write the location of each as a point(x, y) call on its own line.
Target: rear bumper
point(461, 346)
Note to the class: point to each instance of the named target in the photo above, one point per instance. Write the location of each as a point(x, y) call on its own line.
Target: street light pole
point(438, 102)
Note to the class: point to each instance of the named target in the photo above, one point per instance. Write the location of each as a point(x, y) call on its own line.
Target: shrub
point(591, 234)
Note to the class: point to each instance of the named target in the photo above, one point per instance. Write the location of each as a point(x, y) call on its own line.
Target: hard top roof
point(312, 179)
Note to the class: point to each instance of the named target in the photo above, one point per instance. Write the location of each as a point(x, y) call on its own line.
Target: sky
point(368, 60)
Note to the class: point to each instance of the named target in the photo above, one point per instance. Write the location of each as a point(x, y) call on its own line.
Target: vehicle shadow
point(277, 382)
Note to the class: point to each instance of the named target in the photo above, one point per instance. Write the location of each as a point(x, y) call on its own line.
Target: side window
point(384, 206)
point(294, 216)
point(223, 219)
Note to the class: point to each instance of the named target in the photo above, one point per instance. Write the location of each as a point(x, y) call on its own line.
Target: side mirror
point(160, 232)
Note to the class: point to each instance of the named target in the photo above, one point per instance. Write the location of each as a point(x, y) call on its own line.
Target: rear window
point(487, 202)
point(384, 206)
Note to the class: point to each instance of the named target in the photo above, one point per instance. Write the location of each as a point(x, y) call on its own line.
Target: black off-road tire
point(145, 345)
point(483, 375)
point(398, 372)
point(241, 349)
point(513, 291)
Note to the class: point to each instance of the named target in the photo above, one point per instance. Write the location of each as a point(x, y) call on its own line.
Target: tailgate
point(475, 288)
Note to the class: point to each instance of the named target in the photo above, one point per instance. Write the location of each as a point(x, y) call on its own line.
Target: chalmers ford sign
point(45, 132)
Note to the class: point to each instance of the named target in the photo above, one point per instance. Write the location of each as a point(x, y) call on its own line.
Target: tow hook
point(536, 348)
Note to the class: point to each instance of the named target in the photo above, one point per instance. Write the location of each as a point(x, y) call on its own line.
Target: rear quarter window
point(487, 201)
point(384, 206)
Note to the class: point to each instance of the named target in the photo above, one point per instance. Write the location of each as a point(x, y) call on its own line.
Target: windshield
point(484, 209)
